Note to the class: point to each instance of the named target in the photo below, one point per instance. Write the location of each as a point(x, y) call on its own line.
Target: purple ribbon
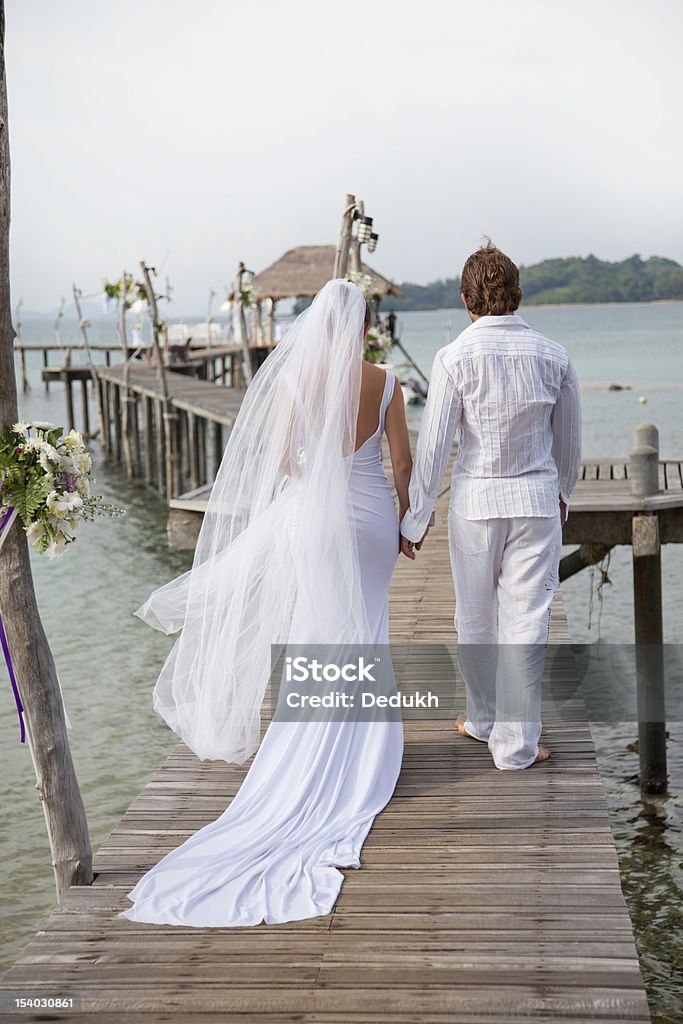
point(5, 651)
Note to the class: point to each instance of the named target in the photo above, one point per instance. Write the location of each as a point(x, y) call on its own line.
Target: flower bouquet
point(46, 480)
point(378, 344)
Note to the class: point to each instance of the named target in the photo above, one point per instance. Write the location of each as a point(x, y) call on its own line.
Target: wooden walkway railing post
point(647, 602)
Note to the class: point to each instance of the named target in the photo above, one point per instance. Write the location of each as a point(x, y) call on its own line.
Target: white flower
point(67, 464)
point(83, 462)
point(361, 280)
point(73, 441)
point(35, 530)
point(48, 454)
point(20, 428)
point(83, 486)
point(41, 424)
point(44, 460)
point(56, 547)
point(61, 504)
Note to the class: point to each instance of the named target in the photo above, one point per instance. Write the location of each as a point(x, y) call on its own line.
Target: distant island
point(576, 279)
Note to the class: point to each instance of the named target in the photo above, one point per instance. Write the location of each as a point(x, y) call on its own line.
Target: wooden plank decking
point(201, 397)
point(484, 896)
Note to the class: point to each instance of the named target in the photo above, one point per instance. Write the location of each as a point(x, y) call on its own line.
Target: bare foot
point(542, 755)
point(460, 726)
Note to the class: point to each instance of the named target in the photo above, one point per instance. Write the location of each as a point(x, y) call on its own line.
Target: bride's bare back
point(396, 428)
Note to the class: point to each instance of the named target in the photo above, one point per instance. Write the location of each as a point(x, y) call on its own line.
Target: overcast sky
point(196, 134)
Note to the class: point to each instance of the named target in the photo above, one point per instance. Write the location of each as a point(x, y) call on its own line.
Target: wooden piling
point(85, 409)
point(148, 434)
point(647, 604)
point(68, 388)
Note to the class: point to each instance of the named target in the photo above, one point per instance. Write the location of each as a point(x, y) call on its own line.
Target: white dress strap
point(388, 393)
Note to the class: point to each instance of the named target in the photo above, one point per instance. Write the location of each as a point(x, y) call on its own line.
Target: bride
point(298, 545)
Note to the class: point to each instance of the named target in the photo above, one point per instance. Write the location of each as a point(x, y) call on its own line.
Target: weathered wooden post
point(354, 263)
point(209, 318)
point(25, 382)
point(341, 258)
point(58, 338)
point(647, 600)
point(83, 324)
point(242, 322)
point(32, 659)
point(170, 416)
point(271, 322)
point(128, 399)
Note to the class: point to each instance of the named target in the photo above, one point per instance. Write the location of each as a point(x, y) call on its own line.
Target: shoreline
point(218, 318)
point(544, 305)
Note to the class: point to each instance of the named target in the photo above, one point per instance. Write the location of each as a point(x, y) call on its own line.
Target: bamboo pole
point(36, 675)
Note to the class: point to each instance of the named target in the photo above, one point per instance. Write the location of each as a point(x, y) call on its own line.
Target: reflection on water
point(648, 831)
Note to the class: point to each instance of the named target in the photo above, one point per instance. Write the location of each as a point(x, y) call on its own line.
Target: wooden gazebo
point(302, 272)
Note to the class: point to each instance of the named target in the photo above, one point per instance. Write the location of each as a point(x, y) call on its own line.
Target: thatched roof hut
point(302, 272)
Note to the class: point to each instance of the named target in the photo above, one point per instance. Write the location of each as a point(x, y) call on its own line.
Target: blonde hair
point(490, 282)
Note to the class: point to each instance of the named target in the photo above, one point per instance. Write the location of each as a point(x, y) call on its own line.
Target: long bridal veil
point(276, 559)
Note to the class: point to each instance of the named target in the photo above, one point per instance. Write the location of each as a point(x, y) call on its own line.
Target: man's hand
point(408, 547)
point(563, 511)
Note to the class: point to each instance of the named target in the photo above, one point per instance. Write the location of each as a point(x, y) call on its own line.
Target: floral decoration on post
point(247, 294)
point(135, 291)
point(46, 480)
point(378, 344)
point(361, 280)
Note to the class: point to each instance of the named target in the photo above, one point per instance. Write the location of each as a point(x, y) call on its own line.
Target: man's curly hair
point(490, 282)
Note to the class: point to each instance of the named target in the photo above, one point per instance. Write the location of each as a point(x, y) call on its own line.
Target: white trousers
point(506, 574)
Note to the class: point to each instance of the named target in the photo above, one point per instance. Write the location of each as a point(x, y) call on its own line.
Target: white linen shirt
point(515, 396)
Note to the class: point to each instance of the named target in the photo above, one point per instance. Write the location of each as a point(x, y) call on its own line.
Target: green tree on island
point(577, 279)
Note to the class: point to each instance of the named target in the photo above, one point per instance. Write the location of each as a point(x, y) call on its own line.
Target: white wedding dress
point(313, 789)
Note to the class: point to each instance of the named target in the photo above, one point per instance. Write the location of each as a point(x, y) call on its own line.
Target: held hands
point(408, 547)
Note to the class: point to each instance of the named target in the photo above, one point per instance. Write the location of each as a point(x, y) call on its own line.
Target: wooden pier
point(484, 896)
point(176, 442)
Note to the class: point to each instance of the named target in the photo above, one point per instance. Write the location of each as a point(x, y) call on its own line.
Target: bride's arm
point(399, 447)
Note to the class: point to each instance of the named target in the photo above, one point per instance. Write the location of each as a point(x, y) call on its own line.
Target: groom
point(514, 394)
